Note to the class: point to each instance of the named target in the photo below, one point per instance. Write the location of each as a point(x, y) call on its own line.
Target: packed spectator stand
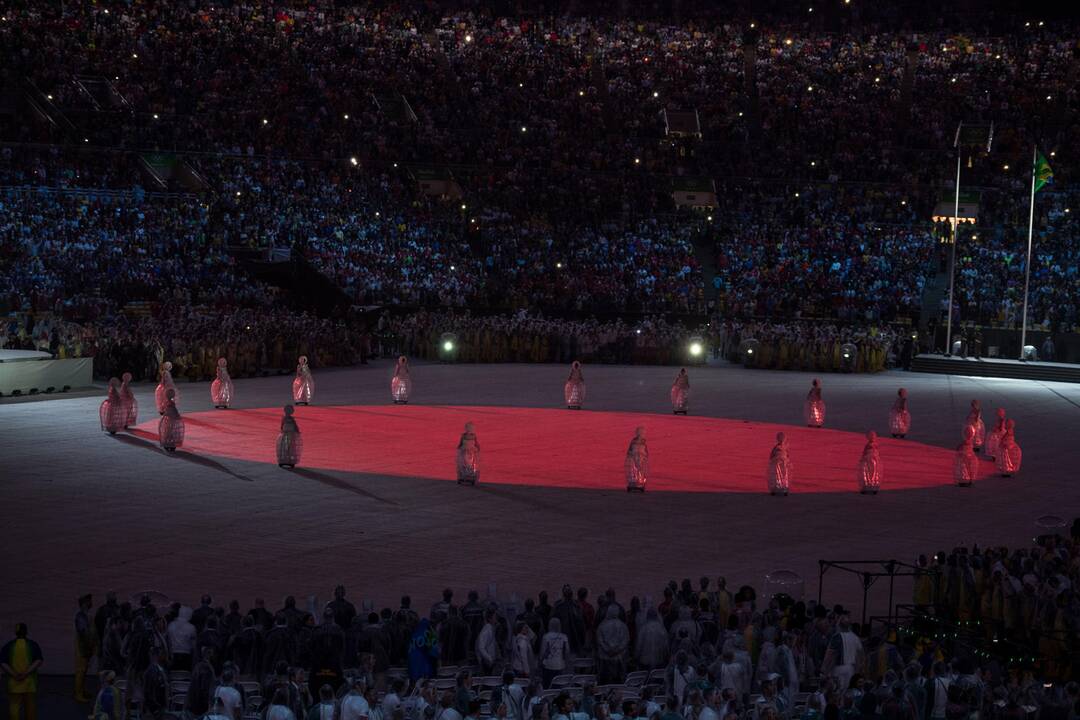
point(142, 155)
point(991, 629)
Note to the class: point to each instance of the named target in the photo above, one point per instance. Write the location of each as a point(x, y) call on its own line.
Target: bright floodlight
point(448, 346)
point(695, 349)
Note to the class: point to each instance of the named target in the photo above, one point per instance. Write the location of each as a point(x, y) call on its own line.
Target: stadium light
point(468, 38)
point(448, 345)
point(522, 128)
point(695, 349)
point(48, 97)
point(559, 264)
point(353, 161)
point(655, 94)
point(346, 116)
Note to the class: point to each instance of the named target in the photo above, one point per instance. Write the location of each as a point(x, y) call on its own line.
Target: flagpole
point(955, 239)
point(1027, 267)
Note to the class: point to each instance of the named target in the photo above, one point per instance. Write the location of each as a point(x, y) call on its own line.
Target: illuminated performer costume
point(221, 390)
point(993, 442)
point(574, 390)
point(869, 472)
point(401, 384)
point(975, 422)
point(131, 405)
point(1009, 454)
point(965, 464)
point(468, 457)
point(289, 441)
point(899, 416)
point(303, 385)
point(171, 425)
point(637, 462)
point(680, 393)
point(164, 386)
point(113, 412)
point(779, 467)
point(814, 408)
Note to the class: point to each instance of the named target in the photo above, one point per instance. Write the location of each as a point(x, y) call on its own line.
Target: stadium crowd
point(311, 133)
point(701, 650)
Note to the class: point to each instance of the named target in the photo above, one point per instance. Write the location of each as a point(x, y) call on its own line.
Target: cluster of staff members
point(120, 411)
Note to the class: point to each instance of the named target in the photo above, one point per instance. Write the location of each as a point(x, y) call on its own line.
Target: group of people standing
point(120, 410)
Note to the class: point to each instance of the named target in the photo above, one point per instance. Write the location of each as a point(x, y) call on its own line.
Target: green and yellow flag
point(1043, 173)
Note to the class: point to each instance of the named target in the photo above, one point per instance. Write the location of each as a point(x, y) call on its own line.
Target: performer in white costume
point(899, 415)
point(221, 390)
point(401, 384)
point(779, 467)
point(1009, 454)
point(965, 464)
point(164, 386)
point(996, 434)
point(171, 425)
point(637, 462)
point(574, 390)
point(289, 442)
point(468, 457)
point(680, 393)
point(303, 385)
point(869, 473)
point(131, 405)
point(113, 412)
point(814, 408)
point(975, 422)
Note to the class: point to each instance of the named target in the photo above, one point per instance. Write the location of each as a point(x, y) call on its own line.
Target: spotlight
point(848, 355)
point(353, 161)
point(448, 346)
point(748, 352)
point(696, 349)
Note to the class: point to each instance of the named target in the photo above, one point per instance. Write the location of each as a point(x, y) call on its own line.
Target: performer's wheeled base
point(169, 449)
point(632, 488)
point(678, 412)
point(401, 402)
point(467, 481)
point(287, 466)
point(221, 407)
point(868, 492)
point(301, 402)
point(781, 494)
point(967, 484)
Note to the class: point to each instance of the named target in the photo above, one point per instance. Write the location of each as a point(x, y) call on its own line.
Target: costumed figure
point(993, 442)
point(401, 385)
point(869, 471)
point(574, 390)
point(131, 405)
point(965, 464)
point(814, 409)
point(221, 390)
point(899, 416)
point(164, 386)
point(680, 393)
point(1008, 454)
point(975, 422)
point(779, 467)
point(303, 385)
point(171, 425)
point(113, 411)
point(468, 457)
point(289, 441)
point(637, 462)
